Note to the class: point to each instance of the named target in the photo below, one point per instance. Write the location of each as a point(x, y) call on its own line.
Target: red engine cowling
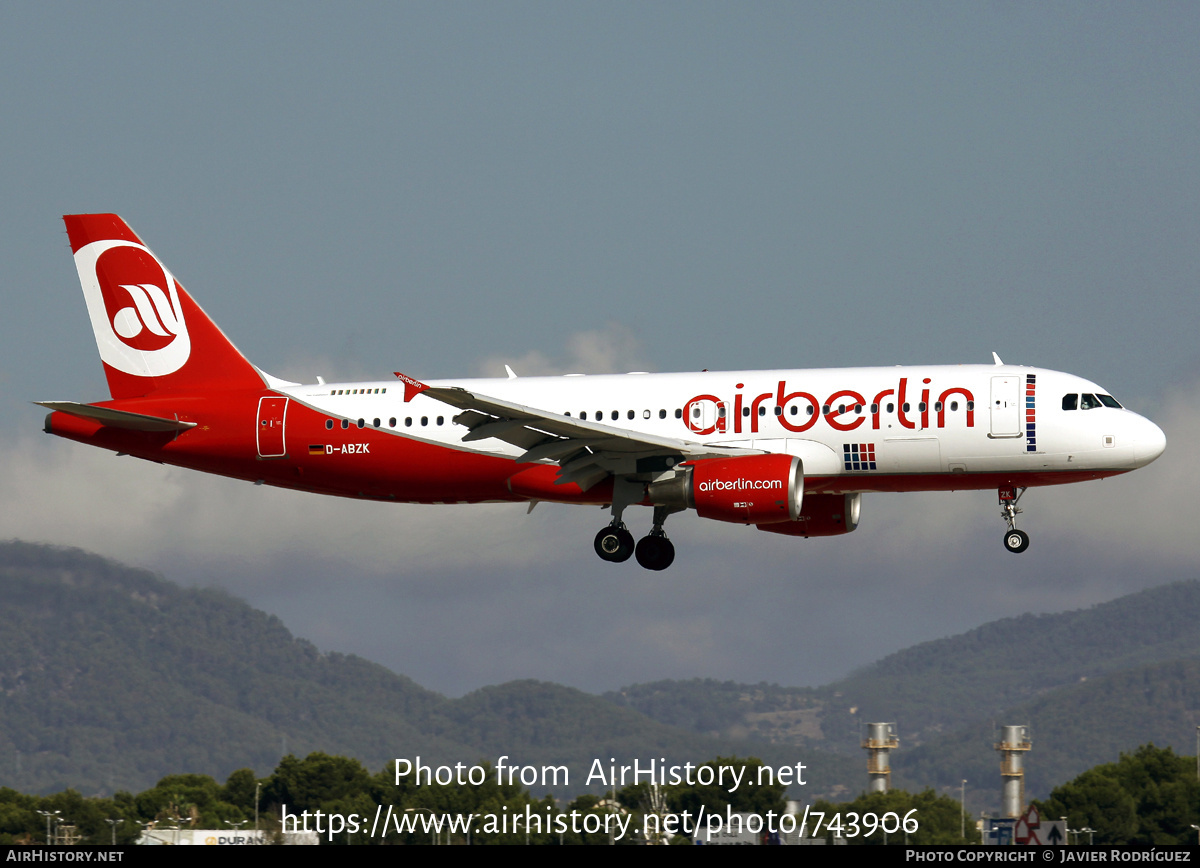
point(823, 515)
point(750, 489)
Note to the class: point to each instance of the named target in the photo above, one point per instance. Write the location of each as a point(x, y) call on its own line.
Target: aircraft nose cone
point(1149, 443)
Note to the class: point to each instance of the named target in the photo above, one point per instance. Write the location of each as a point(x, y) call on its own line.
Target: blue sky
point(443, 188)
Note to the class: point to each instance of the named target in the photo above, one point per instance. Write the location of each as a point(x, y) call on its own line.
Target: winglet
point(412, 387)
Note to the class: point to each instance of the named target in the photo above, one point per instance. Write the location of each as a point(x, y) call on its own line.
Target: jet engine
point(749, 489)
point(823, 515)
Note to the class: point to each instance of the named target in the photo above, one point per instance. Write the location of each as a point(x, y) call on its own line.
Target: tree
point(1147, 797)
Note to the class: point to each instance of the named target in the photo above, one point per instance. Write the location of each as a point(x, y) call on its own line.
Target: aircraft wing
point(586, 452)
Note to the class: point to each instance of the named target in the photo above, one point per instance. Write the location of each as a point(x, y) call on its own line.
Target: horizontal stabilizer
point(117, 418)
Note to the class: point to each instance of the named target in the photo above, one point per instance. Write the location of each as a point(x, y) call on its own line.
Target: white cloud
point(610, 350)
point(68, 494)
point(1150, 512)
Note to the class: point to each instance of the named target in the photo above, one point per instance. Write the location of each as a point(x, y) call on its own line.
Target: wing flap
point(587, 452)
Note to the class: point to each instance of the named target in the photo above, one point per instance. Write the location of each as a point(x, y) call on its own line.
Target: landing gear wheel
point(1016, 541)
point(655, 552)
point(614, 544)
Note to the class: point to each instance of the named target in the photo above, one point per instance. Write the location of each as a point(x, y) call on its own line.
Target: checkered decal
point(1030, 413)
point(858, 456)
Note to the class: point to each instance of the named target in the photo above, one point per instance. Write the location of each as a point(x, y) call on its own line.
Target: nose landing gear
point(1016, 541)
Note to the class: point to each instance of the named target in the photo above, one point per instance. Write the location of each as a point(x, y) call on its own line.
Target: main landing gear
point(1016, 541)
point(614, 543)
point(654, 551)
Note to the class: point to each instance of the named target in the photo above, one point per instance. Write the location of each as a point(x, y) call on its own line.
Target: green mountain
point(112, 678)
point(1073, 728)
point(1090, 684)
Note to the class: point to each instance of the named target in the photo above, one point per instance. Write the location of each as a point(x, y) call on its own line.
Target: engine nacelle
point(823, 515)
point(748, 489)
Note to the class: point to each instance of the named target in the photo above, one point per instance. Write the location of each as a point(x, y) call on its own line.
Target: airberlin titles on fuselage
point(800, 410)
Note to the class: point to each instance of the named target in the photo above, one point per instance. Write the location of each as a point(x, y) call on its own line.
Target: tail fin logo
point(133, 303)
point(152, 310)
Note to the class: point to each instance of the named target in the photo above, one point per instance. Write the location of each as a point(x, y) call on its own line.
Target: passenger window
point(392, 422)
point(679, 413)
point(408, 421)
point(362, 423)
point(424, 420)
point(662, 414)
point(778, 411)
point(745, 411)
point(970, 405)
point(583, 415)
point(954, 405)
point(1070, 402)
point(937, 408)
point(629, 415)
point(874, 408)
point(439, 420)
point(375, 423)
point(328, 424)
point(645, 414)
point(345, 423)
point(721, 412)
point(762, 411)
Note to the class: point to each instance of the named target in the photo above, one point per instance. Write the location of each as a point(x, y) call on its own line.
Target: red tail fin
point(152, 336)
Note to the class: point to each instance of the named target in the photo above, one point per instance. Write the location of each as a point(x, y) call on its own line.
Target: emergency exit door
point(271, 415)
point(1006, 407)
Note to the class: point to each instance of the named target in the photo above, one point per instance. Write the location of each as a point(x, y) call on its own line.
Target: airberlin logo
point(151, 311)
point(844, 410)
point(739, 484)
point(133, 303)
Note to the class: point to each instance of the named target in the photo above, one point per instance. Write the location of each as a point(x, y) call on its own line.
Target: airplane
point(788, 451)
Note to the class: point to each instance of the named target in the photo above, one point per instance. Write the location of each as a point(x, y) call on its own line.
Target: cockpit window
point(1109, 401)
point(1089, 402)
point(1070, 402)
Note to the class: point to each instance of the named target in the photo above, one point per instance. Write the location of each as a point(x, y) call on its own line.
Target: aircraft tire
point(614, 544)
point(655, 552)
point(1016, 541)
